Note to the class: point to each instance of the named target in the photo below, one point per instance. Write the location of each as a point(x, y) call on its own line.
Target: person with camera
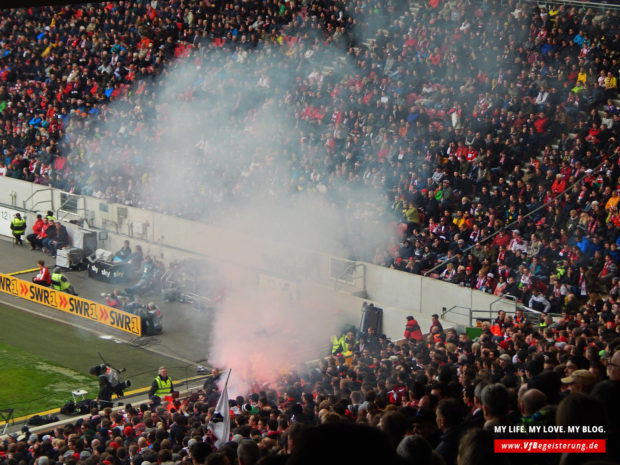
point(104, 396)
point(162, 386)
point(109, 383)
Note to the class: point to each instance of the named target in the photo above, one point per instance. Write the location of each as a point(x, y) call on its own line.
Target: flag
point(220, 422)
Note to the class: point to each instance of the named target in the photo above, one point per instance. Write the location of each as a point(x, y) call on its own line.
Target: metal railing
point(503, 299)
point(468, 313)
point(579, 3)
point(50, 200)
point(348, 275)
point(533, 316)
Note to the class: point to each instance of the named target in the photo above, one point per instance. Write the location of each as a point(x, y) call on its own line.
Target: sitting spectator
point(37, 228)
point(147, 279)
point(59, 240)
point(135, 260)
point(43, 278)
point(124, 253)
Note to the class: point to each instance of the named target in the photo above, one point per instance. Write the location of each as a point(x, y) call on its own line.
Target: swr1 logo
point(8, 285)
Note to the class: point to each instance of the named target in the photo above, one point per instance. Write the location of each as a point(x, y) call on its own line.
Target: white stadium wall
point(171, 238)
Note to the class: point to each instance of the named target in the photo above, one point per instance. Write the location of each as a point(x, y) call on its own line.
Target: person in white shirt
point(517, 243)
point(539, 302)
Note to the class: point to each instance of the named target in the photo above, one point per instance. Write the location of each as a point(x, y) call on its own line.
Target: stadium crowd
point(490, 129)
point(477, 119)
point(439, 399)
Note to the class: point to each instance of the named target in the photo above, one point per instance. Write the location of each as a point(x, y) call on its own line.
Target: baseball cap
point(580, 376)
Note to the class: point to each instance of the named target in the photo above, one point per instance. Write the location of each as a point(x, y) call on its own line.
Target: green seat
point(473, 332)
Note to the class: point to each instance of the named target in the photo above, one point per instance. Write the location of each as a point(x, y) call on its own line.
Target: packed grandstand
point(488, 127)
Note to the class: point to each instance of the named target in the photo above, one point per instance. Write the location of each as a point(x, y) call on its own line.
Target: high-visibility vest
point(58, 283)
point(496, 330)
point(19, 225)
point(163, 387)
point(337, 344)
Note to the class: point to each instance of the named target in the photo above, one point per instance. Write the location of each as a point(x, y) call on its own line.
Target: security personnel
point(61, 283)
point(341, 344)
point(162, 386)
point(18, 226)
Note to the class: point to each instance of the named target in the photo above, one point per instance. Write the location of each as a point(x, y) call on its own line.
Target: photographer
point(104, 396)
point(109, 383)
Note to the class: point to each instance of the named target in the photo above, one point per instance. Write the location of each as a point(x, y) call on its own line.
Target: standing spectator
point(412, 330)
point(435, 323)
point(449, 415)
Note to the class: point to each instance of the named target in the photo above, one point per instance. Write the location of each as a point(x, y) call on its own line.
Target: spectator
point(440, 110)
point(60, 239)
point(147, 279)
point(415, 450)
point(495, 402)
point(43, 278)
point(580, 381)
point(124, 253)
point(449, 415)
point(37, 227)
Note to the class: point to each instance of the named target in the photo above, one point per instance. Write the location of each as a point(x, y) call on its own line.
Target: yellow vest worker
point(18, 227)
point(61, 283)
point(162, 386)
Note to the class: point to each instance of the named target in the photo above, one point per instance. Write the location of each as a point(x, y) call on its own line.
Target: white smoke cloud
point(213, 139)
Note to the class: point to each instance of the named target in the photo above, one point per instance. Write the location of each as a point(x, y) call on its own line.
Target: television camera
point(112, 376)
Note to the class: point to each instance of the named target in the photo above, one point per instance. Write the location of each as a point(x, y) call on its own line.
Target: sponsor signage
point(74, 305)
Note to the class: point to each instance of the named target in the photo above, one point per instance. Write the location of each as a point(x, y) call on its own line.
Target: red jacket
point(558, 186)
point(44, 228)
point(413, 331)
point(43, 277)
point(37, 227)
